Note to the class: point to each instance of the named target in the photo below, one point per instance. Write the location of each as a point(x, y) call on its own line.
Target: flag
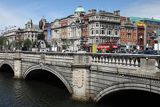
point(49, 31)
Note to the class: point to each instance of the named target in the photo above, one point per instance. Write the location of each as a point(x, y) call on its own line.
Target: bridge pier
point(80, 83)
point(17, 66)
point(80, 78)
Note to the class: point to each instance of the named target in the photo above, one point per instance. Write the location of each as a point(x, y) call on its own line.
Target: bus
point(107, 47)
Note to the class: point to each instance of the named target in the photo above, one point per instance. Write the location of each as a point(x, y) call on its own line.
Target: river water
point(37, 93)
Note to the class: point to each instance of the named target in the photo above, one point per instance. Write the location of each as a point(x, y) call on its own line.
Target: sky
point(18, 12)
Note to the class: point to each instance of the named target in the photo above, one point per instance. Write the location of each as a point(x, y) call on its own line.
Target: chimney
point(117, 12)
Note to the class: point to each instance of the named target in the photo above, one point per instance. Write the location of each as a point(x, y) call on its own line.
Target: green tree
point(27, 44)
point(3, 43)
point(48, 44)
point(12, 45)
point(18, 44)
point(35, 44)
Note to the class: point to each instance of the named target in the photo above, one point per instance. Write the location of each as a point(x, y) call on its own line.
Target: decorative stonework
point(78, 78)
point(17, 69)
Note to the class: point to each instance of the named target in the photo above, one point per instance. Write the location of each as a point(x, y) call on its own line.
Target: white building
point(67, 31)
point(30, 32)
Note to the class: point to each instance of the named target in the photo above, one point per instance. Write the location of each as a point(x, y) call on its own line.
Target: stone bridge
point(90, 76)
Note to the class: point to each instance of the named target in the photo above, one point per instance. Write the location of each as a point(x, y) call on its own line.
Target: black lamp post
point(80, 25)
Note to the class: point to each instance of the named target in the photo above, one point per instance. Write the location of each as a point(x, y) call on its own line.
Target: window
point(116, 32)
point(103, 32)
point(97, 24)
point(109, 32)
point(116, 26)
point(97, 32)
point(96, 40)
point(92, 32)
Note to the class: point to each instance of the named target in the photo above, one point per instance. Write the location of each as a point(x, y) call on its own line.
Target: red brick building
point(128, 33)
point(141, 36)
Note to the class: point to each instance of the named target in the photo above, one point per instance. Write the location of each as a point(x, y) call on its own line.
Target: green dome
point(79, 9)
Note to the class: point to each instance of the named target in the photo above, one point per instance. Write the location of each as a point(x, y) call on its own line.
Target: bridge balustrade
point(125, 59)
point(135, 60)
point(47, 58)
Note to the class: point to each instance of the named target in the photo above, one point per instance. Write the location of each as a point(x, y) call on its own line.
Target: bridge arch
point(37, 67)
point(127, 86)
point(7, 63)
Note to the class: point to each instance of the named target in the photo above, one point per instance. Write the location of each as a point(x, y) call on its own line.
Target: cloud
point(143, 9)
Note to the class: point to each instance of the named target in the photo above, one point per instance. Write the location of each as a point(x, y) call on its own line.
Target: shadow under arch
point(45, 68)
point(7, 69)
point(7, 63)
point(127, 86)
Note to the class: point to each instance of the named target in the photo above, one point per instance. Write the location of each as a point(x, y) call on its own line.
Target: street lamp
point(128, 37)
point(80, 24)
point(158, 44)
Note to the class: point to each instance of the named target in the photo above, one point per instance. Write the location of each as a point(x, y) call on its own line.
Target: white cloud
point(143, 9)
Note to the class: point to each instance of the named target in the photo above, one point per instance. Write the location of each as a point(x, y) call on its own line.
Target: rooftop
point(79, 9)
point(136, 19)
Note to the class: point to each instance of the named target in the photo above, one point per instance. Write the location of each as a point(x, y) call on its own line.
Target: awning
point(115, 46)
point(103, 47)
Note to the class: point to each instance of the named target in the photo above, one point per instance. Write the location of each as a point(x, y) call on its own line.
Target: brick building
point(83, 29)
point(128, 34)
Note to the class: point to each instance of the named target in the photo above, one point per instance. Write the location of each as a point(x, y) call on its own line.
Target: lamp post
point(80, 26)
point(158, 44)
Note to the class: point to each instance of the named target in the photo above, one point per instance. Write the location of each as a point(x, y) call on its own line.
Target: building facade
point(83, 29)
point(147, 32)
point(31, 31)
point(104, 27)
point(67, 32)
point(128, 34)
point(16, 37)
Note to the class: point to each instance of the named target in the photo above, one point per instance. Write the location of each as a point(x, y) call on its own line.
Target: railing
point(104, 20)
point(136, 60)
point(124, 59)
point(48, 57)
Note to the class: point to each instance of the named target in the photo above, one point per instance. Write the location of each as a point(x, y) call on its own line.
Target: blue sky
point(17, 12)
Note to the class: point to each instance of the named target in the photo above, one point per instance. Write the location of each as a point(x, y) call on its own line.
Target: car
point(137, 52)
point(149, 51)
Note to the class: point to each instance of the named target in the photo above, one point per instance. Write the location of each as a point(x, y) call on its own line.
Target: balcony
point(104, 20)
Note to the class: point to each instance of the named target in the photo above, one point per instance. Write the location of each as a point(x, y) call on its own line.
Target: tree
point(18, 44)
point(12, 45)
point(3, 43)
point(27, 44)
point(48, 44)
point(35, 44)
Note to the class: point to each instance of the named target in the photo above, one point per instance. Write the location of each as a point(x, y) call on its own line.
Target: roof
point(79, 9)
point(136, 19)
